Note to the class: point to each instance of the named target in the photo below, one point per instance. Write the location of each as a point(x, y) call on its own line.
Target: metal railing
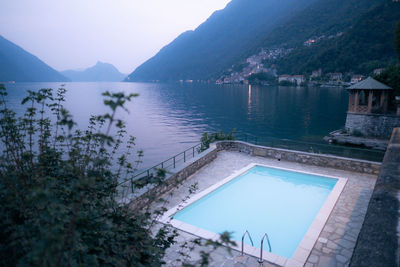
point(167, 165)
point(260, 260)
point(318, 148)
point(243, 236)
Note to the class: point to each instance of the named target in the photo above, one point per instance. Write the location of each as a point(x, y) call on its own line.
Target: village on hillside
point(258, 69)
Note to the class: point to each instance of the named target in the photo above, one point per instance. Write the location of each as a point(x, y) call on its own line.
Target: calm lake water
point(168, 118)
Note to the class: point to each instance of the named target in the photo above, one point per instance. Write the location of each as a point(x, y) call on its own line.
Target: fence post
point(184, 156)
point(193, 152)
point(174, 162)
point(162, 165)
point(148, 173)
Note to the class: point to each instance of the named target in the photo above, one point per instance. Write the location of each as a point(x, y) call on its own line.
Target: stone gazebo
point(369, 96)
point(368, 109)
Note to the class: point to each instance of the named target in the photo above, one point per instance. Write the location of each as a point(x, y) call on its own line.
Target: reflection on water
point(168, 118)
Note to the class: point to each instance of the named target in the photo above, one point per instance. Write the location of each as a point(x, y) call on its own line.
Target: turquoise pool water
point(281, 203)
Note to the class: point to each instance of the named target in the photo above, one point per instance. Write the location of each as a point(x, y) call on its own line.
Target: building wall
point(376, 125)
point(378, 241)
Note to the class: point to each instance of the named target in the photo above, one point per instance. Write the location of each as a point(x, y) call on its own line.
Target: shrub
point(58, 189)
point(61, 193)
point(208, 138)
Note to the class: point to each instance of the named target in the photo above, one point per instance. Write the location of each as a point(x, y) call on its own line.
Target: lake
point(168, 118)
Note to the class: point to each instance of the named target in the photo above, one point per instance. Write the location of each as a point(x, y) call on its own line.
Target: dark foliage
point(322, 17)
point(362, 48)
point(261, 77)
point(391, 77)
point(397, 40)
point(59, 194)
point(208, 138)
point(63, 191)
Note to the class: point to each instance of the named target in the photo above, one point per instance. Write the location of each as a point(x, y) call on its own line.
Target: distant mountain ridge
point(229, 36)
point(218, 42)
point(101, 72)
point(18, 65)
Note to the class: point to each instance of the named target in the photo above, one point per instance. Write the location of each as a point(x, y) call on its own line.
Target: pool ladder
point(260, 260)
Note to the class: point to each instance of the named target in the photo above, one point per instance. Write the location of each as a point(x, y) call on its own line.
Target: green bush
point(208, 138)
point(61, 193)
point(58, 189)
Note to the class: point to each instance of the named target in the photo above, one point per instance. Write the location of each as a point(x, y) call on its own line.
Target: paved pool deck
point(336, 243)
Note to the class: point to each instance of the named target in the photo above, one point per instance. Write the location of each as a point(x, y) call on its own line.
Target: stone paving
point(336, 242)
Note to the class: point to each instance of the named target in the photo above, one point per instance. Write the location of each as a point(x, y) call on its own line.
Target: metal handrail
point(162, 165)
point(260, 260)
point(251, 240)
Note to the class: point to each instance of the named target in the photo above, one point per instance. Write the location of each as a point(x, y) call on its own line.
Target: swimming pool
point(291, 207)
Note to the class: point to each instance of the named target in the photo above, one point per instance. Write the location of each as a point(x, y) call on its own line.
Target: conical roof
point(369, 84)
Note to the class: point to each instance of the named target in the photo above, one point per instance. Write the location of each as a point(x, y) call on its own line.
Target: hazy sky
point(70, 34)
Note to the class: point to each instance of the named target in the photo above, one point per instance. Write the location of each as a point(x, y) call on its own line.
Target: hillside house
point(253, 60)
point(356, 78)
point(309, 42)
point(285, 77)
point(336, 76)
point(378, 71)
point(316, 73)
point(298, 79)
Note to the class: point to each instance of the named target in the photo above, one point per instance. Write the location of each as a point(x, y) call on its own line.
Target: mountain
point(219, 42)
point(362, 42)
point(323, 17)
point(18, 65)
point(101, 72)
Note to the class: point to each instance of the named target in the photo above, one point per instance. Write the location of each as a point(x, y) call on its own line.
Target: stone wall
point(372, 124)
point(361, 166)
point(378, 243)
point(179, 176)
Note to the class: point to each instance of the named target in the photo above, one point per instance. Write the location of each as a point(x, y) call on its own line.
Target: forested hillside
point(365, 45)
point(343, 35)
point(18, 65)
point(219, 42)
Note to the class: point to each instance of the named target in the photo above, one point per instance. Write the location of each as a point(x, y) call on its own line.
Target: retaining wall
point(321, 160)
point(178, 177)
point(372, 124)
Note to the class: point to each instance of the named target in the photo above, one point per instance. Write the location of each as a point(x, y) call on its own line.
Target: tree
point(397, 40)
point(59, 192)
point(62, 190)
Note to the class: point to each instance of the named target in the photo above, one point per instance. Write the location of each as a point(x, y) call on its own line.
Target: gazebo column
point(398, 105)
point(370, 97)
point(351, 101)
point(356, 100)
point(384, 101)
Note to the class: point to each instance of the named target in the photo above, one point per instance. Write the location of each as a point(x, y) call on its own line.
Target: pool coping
point(303, 250)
